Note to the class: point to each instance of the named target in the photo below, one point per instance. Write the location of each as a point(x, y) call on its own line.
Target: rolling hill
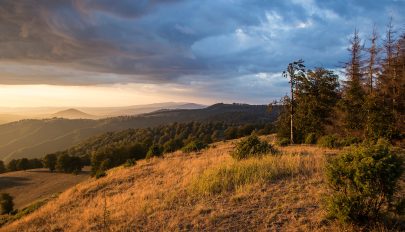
point(35, 138)
point(137, 198)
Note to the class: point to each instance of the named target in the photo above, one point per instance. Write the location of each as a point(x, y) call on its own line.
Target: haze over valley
point(225, 115)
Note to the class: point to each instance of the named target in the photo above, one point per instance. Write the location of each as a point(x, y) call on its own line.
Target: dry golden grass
point(155, 195)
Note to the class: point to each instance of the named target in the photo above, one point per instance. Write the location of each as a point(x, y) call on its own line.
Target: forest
point(367, 104)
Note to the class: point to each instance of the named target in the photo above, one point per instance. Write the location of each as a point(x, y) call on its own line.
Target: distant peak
point(72, 113)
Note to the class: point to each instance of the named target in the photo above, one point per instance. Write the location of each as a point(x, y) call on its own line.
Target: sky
point(127, 52)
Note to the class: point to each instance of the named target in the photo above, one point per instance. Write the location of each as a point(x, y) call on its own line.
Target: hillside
point(35, 138)
point(32, 185)
point(72, 114)
point(137, 198)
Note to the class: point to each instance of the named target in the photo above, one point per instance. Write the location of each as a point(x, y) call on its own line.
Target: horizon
point(89, 54)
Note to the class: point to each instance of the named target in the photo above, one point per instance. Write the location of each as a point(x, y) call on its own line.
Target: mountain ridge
point(35, 138)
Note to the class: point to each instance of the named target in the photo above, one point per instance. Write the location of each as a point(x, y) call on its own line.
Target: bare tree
point(372, 62)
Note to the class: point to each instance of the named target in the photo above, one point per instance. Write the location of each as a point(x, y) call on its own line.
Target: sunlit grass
point(238, 174)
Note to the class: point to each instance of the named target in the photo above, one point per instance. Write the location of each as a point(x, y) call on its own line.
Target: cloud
point(226, 43)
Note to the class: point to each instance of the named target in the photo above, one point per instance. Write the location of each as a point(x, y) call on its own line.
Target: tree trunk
point(292, 114)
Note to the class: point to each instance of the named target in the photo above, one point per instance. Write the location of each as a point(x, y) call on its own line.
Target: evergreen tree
point(353, 92)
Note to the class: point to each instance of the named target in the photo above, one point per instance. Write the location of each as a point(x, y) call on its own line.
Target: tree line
point(368, 103)
point(115, 148)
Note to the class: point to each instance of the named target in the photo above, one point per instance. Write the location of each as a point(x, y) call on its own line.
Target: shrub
point(250, 147)
point(363, 183)
point(6, 203)
point(154, 150)
point(310, 139)
point(349, 140)
point(100, 173)
point(172, 145)
point(130, 163)
point(283, 142)
point(329, 141)
point(194, 146)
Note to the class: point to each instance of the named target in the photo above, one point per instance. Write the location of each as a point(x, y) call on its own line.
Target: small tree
point(154, 150)
point(23, 164)
point(194, 146)
point(363, 182)
point(12, 165)
point(2, 167)
point(6, 203)
point(50, 162)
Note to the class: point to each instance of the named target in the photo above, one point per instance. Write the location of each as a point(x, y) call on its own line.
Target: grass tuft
point(229, 177)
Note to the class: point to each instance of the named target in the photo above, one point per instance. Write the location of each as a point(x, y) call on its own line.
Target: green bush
point(250, 147)
point(363, 183)
point(100, 174)
point(310, 138)
point(130, 163)
point(329, 141)
point(349, 140)
point(282, 142)
point(194, 146)
point(154, 151)
point(6, 203)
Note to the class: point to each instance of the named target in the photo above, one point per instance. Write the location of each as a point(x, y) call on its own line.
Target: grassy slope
point(32, 185)
point(155, 195)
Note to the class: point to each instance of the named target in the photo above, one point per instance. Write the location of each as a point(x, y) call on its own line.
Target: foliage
point(2, 167)
point(130, 163)
point(349, 140)
point(283, 142)
point(172, 145)
point(310, 138)
point(315, 97)
point(363, 182)
point(115, 148)
point(23, 164)
point(50, 161)
point(100, 173)
point(154, 151)
point(6, 203)
point(194, 146)
point(69, 164)
point(329, 141)
point(250, 147)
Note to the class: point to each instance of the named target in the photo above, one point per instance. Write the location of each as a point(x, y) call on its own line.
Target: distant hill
point(35, 138)
point(12, 114)
point(143, 109)
point(72, 114)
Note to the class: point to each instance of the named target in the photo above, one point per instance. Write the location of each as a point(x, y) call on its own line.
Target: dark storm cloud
point(169, 41)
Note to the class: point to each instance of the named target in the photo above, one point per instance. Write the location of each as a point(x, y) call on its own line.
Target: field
point(32, 185)
point(206, 191)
